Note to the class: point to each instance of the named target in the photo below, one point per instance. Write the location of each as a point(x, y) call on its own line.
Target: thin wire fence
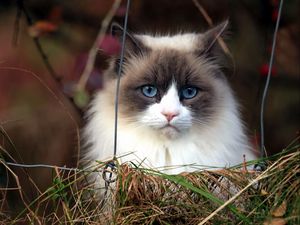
point(263, 101)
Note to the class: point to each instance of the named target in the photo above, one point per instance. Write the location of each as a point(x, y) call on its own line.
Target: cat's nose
point(170, 115)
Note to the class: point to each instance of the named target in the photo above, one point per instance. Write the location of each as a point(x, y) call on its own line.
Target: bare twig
point(17, 26)
point(204, 13)
point(37, 42)
point(93, 51)
point(210, 23)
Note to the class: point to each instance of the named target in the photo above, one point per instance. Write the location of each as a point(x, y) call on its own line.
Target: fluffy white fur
point(187, 41)
point(155, 116)
point(181, 148)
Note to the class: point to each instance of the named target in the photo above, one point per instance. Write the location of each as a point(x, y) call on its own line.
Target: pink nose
point(170, 115)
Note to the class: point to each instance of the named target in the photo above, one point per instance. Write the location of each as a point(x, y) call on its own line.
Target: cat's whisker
point(199, 121)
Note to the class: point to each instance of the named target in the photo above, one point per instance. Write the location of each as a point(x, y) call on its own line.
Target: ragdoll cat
point(177, 112)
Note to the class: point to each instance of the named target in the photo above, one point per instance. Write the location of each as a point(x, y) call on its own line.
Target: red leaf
point(41, 28)
point(110, 45)
point(264, 69)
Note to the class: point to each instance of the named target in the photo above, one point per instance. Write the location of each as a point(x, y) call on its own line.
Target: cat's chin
point(170, 132)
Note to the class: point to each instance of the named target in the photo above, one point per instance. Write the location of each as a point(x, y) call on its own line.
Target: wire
point(262, 140)
point(47, 166)
point(119, 78)
point(41, 166)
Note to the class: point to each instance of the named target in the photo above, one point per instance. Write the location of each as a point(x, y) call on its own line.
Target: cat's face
point(170, 89)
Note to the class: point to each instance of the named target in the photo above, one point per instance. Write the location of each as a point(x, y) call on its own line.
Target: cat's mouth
point(169, 126)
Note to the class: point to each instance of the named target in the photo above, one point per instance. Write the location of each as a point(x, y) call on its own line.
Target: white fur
point(187, 41)
point(170, 104)
point(221, 143)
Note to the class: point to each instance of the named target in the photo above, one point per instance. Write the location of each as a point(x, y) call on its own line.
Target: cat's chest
point(175, 156)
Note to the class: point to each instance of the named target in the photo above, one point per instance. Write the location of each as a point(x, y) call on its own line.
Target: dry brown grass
point(144, 196)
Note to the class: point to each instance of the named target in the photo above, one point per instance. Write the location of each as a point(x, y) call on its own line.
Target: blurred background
point(41, 109)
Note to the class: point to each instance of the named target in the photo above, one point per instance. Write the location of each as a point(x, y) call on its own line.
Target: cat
point(177, 112)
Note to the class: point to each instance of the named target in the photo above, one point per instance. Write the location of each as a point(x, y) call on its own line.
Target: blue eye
point(149, 91)
point(189, 92)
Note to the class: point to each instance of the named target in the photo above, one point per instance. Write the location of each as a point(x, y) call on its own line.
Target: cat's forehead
point(165, 66)
point(168, 66)
point(182, 42)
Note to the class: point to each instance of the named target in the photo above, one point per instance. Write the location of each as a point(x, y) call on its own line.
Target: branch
point(210, 23)
point(21, 8)
point(17, 26)
point(93, 51)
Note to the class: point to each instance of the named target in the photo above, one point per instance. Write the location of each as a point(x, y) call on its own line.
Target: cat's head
point(170, 84)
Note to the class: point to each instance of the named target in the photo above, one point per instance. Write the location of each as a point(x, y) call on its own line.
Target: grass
point(144, 196)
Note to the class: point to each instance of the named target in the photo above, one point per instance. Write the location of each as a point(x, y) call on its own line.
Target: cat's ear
point(132, 44)
point(211, 42)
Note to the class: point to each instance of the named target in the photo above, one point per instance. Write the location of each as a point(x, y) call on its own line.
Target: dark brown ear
point(212, 40)
point(132, 44)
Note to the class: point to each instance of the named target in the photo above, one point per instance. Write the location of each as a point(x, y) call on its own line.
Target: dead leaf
point(275, 221)
point(280, 210)
point(41, 28)
point(263, 192)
